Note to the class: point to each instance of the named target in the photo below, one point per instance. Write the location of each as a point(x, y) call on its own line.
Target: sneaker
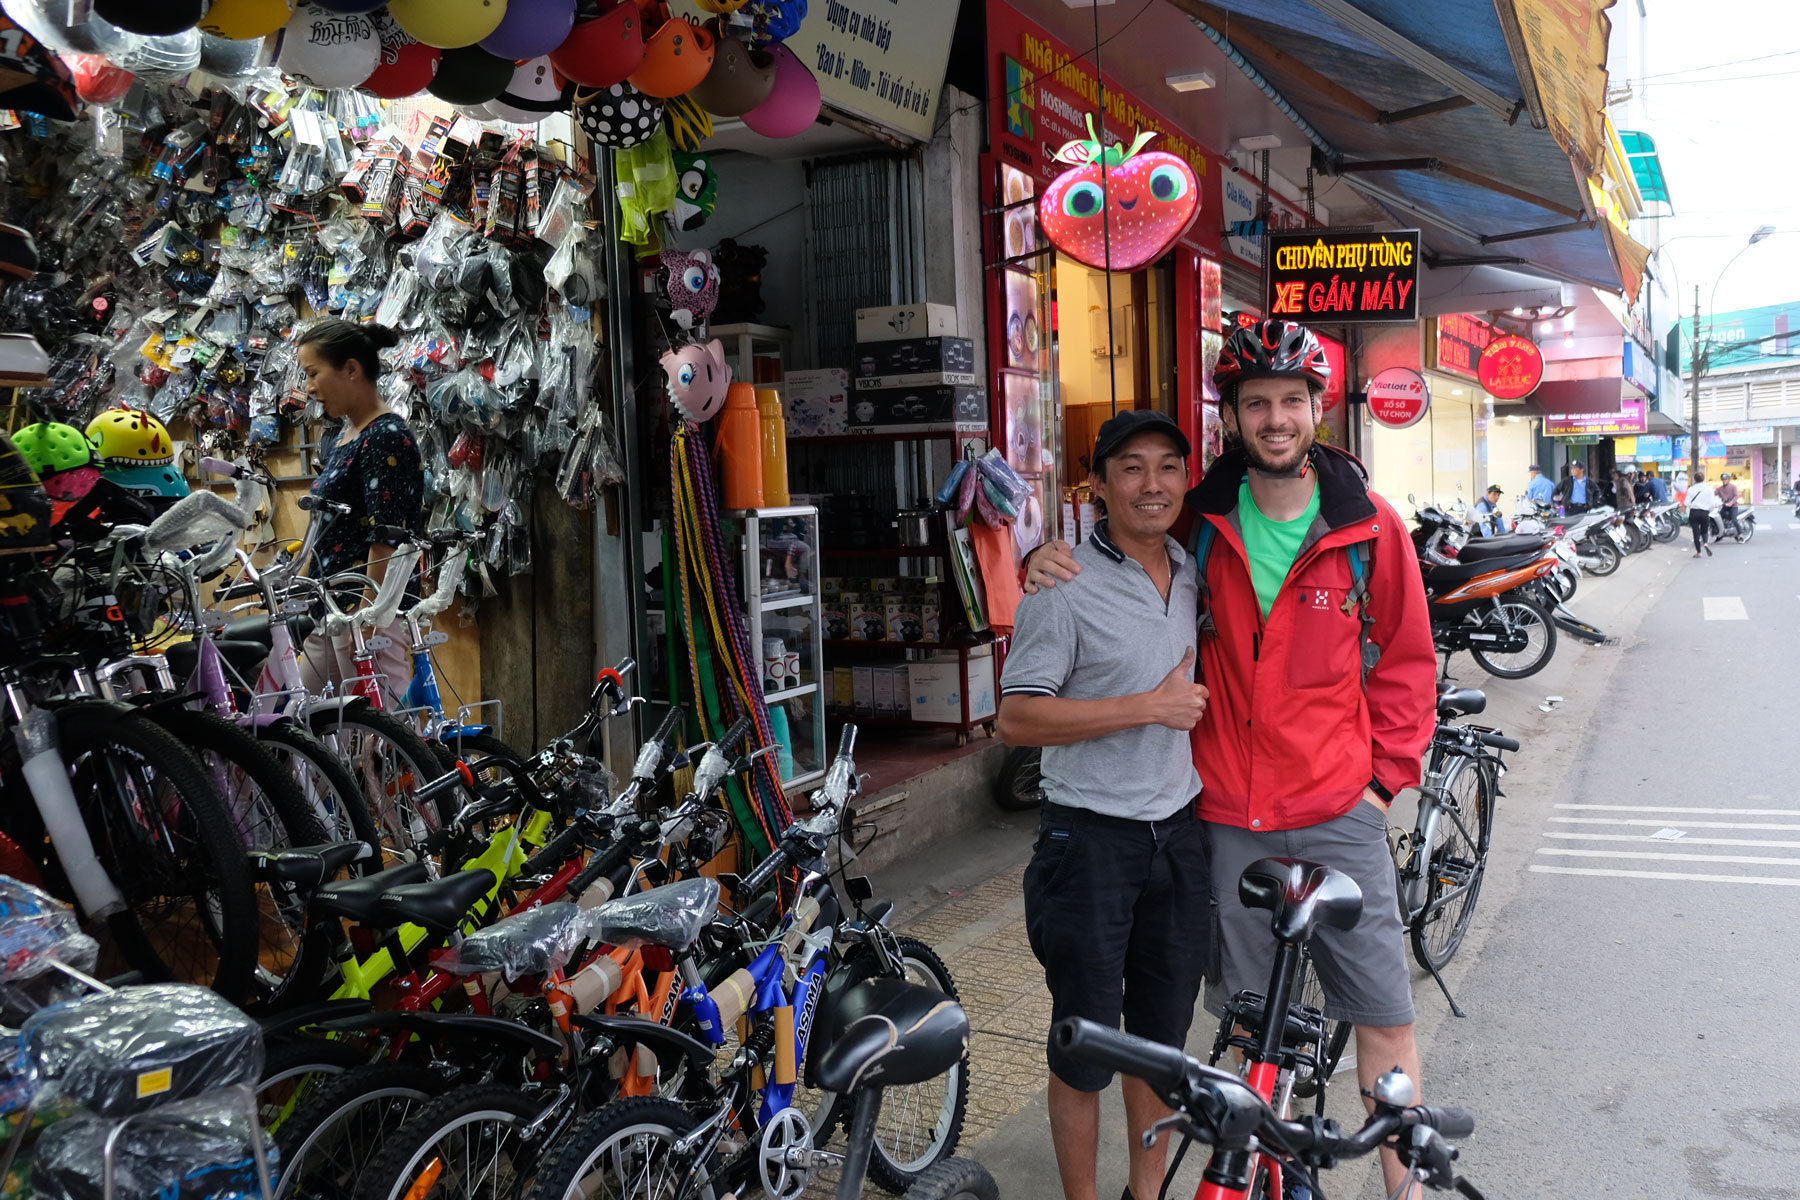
point(33, 78)
point(23, 362)
point(18, 252)
point(1709, 552)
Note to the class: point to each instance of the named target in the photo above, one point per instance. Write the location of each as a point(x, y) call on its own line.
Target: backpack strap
point(1359, 554)
point(1199, 547)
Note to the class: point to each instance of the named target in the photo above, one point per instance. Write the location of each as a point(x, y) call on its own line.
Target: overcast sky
point(1714, 86)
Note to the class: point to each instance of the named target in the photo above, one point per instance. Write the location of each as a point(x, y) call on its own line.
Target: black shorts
point(1117, 912)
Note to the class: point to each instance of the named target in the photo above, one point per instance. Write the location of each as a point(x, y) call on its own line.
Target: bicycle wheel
point(920, 1123)
point(296, 1067)
point(1457, 860)
point(1530, 619)
point(625, 1150)
point(389, 761)
point(955, 1179)
point(169, 846)
point(328, 786)
point(468, 1144)
point(268, 812)
point(332, 1139)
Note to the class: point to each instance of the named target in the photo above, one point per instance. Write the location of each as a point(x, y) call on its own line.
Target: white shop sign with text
point(882, 60)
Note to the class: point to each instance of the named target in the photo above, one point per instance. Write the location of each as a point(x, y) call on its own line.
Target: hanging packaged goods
point(1344, 278)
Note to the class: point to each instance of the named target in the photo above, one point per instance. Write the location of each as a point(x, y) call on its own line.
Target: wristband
point(1387, 797)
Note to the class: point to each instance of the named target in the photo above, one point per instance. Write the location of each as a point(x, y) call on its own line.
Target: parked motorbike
point(1552, 591)
point(1665, 521)
point(1480, 605)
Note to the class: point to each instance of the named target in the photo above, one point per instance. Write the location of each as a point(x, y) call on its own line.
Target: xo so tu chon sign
point(1398, 397)
point(1510, 367)
point(1344, 278)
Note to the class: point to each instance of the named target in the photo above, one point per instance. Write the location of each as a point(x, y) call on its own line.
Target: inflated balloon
point(619, 116)
point(97, 80)
point(793, 105)
point(531, 28)
point(677, 56)
point(535, 92)
point(168, 57)
point(406, 66)
point(603, 51)
point(449, 24)
point(741, 78)
point(470, 75)
point(152, 18)
point(228, 58)
point(327, 49)
point(246, 19)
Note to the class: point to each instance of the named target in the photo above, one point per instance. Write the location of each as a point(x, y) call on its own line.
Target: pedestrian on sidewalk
point(1101, 674)
point(1727, 493)
point(1539, 488)
point(1701, 500)
point(1488, 517)
point(1575, 493)
point(1322, 689)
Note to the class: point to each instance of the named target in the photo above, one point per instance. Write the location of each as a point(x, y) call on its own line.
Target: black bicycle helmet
point(1271, 349)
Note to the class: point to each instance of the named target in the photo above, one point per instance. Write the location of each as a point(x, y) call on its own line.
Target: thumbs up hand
point(1178, 702)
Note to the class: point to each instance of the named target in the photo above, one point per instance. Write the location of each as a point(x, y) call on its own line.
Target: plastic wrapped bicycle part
point(199, 1149)
point(123, 1052)
point(37, 930)
point(671, 916)
point(534, 942)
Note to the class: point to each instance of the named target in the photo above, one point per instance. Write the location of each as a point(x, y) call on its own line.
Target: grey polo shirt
point(1104, 634)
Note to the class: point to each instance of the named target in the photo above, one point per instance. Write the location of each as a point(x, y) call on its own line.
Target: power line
point(1736, 62)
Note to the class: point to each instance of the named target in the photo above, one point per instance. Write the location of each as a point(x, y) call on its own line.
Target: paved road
point(1629, 1029)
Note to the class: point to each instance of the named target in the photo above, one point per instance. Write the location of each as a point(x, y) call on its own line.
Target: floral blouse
point(377, 473)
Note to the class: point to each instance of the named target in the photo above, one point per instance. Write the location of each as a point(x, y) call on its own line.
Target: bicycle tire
point(411, 1166)
point(631, 1124)
point(332, 787)
point(334, 1137)
point(294, 1067)
point(955, 1179)
point(894, 1167)
point(1453, 862)
point(198, 854)
point(371, 741)
point(1537, 614)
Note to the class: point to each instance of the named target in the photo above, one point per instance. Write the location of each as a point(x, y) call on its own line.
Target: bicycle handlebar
point(1164, 1068)
point(655, 752)
point(381, 612)
point(449, 574)
point(1498, 741)
point(1453, 1123)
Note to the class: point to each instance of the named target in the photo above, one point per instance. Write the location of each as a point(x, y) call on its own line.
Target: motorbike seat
point(1482, 549)
point(439, 904)
point(245, 656)
point(1300, 894)
point(306, 866)
point(256, 629)
point(356, 899)
point(1441, 577)
point(670, 916)
point(896, 1033)
point(1461, 702)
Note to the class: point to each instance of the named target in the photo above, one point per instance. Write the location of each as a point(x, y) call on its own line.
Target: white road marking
point(1759, 859)
point(1765, 880)
point(1725, 608)
point(1686, 841)
point(1687, 824)
point(1663, 808)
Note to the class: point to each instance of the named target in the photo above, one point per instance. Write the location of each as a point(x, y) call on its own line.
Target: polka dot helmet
point(619, 116)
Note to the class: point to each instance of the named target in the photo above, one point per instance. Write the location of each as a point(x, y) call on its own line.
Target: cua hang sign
point(1344, 278)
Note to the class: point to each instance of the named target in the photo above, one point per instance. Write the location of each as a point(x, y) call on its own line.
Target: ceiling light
point(1514, 418)
point(1517, 311)
point(1260, 141)
point(1456, 391)
point(1190, 81)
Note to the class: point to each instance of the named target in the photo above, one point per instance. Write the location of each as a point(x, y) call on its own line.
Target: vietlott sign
point(1344, 278)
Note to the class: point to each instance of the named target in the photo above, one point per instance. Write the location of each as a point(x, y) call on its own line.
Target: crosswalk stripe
point(1685, 841)
point(1768, 860)
point(1614, 873)
point(1685, 824)
point(1724, 608)
point(1665, 808)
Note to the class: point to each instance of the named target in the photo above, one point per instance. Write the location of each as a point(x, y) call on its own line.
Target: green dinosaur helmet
point(696, 189)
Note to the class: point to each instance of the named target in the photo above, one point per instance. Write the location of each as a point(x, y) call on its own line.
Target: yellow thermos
point(774, 448)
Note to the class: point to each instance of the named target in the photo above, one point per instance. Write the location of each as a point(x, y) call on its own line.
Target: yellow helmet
point(721, 6)
point(129, 437)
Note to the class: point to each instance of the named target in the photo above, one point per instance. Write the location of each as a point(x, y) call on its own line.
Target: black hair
point(338, 341)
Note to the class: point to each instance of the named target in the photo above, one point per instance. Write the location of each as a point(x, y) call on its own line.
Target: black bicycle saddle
point(1300, 894)
point(895, 1033)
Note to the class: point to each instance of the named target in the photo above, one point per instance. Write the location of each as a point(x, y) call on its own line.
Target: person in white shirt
point(1700, 502)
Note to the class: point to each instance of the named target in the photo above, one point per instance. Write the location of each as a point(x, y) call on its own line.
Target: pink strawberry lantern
point(1143, 206)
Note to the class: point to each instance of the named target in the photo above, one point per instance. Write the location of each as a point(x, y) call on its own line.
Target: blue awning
point(1482, 190)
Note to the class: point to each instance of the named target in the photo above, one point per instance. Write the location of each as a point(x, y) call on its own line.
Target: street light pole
point(1694, 400)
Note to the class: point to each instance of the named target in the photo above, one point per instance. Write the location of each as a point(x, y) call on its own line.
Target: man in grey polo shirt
point(1100, 675)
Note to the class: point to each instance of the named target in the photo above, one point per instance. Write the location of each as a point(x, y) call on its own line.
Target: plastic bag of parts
point(671, 915)
point(1006, 481)
point(37, 931)
point(534, 942)
point(200, 1149)
point(127, 1051)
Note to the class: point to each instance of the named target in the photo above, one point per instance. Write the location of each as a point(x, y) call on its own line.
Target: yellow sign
point(1566, 43)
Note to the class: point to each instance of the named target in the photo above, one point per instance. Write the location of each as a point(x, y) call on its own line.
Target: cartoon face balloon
point(698, 379)
point(696, 189)
point(693, 286)
point(1144, 203)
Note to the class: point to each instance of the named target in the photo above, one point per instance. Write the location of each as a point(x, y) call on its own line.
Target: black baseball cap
point(1496, 489)
point(1121, 427)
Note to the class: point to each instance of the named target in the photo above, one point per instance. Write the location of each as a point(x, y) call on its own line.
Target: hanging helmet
point(151, 483)
point(1271, 349)
point(24, 508)
point(722, 7)
point(130, 437)
point(793, 103)
point(50, 447)
point(740, 79)
point(448, 24)
point(604, 50)
point(244, 20)
point(677, 56)
point(619, 116)
point(531, 28)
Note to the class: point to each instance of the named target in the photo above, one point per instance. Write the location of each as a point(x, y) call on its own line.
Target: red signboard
point(1460, 340)
point(1334, 354)
point(1510, 367)
point(1398, 397)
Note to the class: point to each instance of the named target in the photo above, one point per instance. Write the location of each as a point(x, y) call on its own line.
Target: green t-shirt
point(1271, 545)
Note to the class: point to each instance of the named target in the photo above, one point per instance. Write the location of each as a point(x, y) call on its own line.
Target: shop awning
point(1478, 121)
point(1559, 397)
point(1646, 168)
point(1480, 289)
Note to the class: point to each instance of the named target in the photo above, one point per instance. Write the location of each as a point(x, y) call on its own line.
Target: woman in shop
point(373, 467)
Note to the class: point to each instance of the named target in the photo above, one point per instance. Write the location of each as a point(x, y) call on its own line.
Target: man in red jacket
point(1316, 646)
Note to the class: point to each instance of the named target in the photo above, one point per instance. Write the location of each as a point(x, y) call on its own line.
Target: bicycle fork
point(47, 775)
point(1414, 890)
